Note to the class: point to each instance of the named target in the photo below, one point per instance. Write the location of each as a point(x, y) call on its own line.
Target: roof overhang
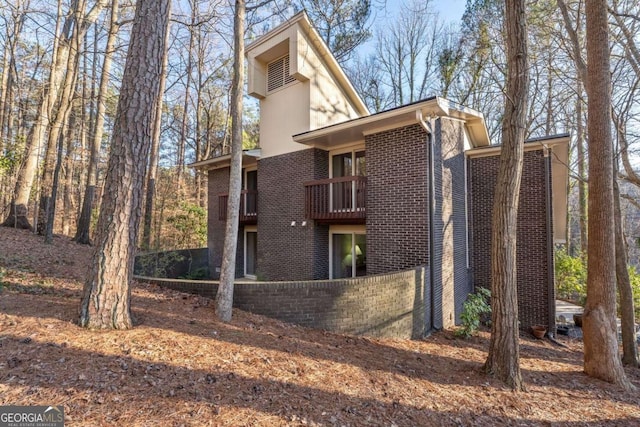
point(355, 130)
point(558, 148)
point(249, 157)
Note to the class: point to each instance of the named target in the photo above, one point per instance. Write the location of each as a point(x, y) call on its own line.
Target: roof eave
point(397, 117)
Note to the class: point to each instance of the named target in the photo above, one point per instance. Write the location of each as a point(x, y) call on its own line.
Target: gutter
point(428, 127)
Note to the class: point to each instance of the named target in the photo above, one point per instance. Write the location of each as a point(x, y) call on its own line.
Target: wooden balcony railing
point(337, 200)
point(248, 207)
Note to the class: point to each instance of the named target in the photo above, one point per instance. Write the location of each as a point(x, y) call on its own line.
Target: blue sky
point(450, 10)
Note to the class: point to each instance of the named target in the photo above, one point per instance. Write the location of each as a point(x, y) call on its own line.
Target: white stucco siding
point(284, 113)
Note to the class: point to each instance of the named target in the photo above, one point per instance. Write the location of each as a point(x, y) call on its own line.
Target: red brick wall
point(533, 269)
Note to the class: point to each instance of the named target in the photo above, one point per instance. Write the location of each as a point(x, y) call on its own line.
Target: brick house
point(335, 192)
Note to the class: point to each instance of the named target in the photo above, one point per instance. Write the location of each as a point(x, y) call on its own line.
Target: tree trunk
point(627, 311)
point(20, 202)
point(69, 53)
point(106, 297)
point(67, 206)
point(601, 355)
point(36, 136)
point(582, 177)
point(152, 172)
point(224, 297)
point(84, 221)
point(504, 353)
point(51, 209)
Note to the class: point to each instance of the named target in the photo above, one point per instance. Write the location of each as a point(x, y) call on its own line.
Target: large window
point(348, 254)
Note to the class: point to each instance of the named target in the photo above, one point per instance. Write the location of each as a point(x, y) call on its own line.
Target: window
point(347, 195)
point(348, 254)
point(278, 74)
point(250, 252)
point(343, 164)
point(249, 198)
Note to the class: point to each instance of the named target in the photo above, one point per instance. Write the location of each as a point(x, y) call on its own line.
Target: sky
point(450, 10)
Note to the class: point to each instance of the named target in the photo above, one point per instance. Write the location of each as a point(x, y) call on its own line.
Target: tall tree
point(152, 171)
point(343, 24)
point(224, 297)
point(84, 221)
point(106, 297)
point(57, 81)
point(407, 53)
point(601, 355)
point(504, 352)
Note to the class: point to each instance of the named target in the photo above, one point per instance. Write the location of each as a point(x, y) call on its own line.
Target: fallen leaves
point(179, 366)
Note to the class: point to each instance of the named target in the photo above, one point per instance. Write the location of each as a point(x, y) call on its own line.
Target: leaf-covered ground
point(181, 367)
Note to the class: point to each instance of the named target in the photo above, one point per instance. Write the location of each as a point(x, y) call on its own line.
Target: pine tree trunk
point(84, 221)
point(503, 360)
point(601, 355)
point(224, 297)
point(152, 172)
point(106, 298)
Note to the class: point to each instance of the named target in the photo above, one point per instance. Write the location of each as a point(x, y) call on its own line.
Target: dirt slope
point(180, 367)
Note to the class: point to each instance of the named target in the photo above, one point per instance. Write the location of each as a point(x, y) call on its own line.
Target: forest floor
point(180, 367)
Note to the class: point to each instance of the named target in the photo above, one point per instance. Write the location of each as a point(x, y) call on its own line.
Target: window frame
point(352, 230)
point(249, 229)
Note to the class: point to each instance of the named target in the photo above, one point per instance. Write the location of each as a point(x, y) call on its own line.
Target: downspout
point(550, 259)
point(428, 127)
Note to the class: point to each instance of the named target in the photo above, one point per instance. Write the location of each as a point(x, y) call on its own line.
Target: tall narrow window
point(250, 253)
point(249, 197)
point(348, 255)
point(346, 192)
point(278, 74)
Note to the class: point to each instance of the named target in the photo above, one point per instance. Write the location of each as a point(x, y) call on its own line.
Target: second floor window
point(352, 163)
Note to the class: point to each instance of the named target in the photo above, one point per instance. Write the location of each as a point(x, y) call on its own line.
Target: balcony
point(337, 200)
point(248, 207)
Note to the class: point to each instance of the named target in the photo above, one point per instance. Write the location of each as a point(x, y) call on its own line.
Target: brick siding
point(534, 271)
point(218, 180)
point(397, 205)
point(398, 210)
point(287, 252)
point(451, 276)
point(388, 305)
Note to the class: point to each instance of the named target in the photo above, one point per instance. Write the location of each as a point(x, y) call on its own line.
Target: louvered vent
point(278, 74)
